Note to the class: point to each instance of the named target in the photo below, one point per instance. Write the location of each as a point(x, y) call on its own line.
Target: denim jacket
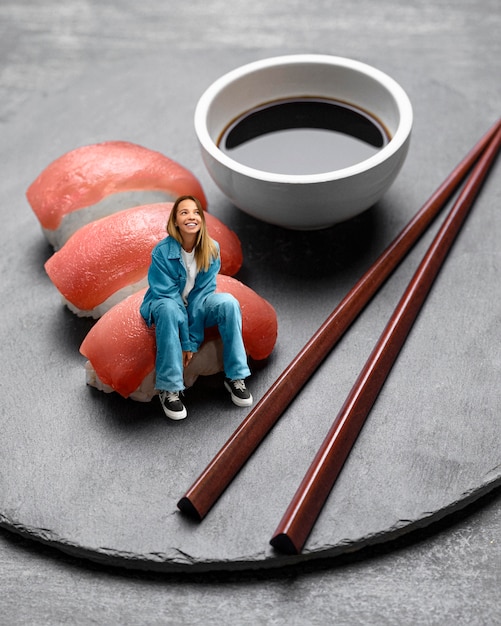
point(167, 278)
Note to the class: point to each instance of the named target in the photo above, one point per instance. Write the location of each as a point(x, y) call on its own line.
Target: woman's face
point(188, 218)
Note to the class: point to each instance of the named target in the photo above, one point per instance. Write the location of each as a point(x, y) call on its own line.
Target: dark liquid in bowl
point(303, 136)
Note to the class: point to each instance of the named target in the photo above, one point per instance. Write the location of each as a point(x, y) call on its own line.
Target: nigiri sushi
point(99, 179)
point(108, 259)
point(120, 347)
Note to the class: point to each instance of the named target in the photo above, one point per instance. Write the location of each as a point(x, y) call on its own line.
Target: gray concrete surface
point(447, 57)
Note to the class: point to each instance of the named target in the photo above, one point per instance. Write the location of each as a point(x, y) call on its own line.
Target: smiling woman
point(181, 303)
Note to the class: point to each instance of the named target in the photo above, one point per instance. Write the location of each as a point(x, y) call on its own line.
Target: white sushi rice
point(113, 203)
point(144, 393)
point(110, 302)
point(207, 361)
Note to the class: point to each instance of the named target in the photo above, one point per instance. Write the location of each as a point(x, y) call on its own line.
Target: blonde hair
point(205, 247)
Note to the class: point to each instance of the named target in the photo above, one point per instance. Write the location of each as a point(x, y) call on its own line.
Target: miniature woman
point(181, 302)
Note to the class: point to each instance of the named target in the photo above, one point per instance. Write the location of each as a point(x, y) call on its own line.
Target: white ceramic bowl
point(306, 201)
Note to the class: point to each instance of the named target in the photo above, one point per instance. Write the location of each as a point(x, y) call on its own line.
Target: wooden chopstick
point(318, 481)
point(205, 491)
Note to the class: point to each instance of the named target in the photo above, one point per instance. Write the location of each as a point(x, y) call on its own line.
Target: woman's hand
point(187, 356)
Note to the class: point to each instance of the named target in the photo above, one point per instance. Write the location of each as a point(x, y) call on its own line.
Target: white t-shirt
point(191, 272)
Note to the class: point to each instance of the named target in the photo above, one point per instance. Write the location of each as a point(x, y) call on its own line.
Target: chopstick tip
point(283, 543)
point(186, 506)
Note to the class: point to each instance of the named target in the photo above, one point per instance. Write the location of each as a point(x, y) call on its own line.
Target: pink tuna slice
point(85, 176)
point(114, 253)
point(120, 348)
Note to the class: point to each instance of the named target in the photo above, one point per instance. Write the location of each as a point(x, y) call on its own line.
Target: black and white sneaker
point(172, 405)
point(240, 395)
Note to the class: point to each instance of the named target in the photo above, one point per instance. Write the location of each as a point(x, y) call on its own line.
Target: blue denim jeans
point(221, 310)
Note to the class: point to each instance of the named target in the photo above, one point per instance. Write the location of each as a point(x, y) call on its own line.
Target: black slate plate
point(100, 476)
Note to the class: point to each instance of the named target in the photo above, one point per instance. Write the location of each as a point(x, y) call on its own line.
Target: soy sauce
point(303, 136)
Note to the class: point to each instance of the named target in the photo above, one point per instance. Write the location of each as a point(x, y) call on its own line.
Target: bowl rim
point(396, 142)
